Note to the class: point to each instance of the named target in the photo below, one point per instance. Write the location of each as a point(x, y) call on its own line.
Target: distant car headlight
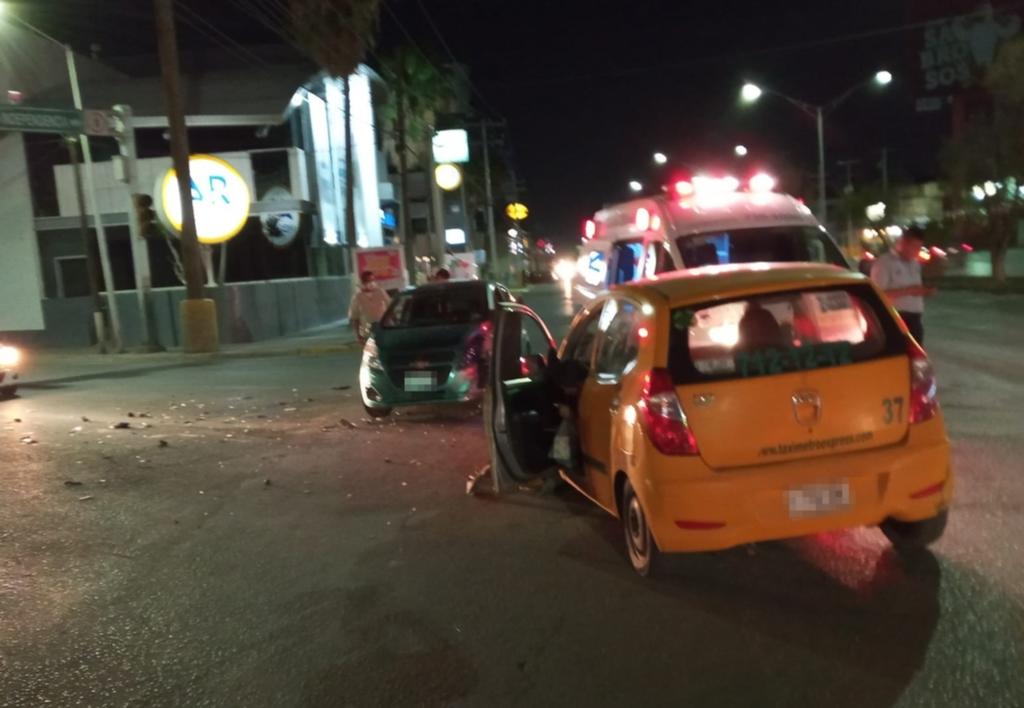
point(9, 356)
point(371, 356)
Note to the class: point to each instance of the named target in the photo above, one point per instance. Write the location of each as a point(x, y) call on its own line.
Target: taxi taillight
point(663, 415)
point(924, 401)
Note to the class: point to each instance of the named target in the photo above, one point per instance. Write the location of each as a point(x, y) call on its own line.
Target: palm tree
point(419, 91)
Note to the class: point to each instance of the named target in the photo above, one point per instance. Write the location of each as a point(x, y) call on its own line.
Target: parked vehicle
point(430, 346)
point(727, 405)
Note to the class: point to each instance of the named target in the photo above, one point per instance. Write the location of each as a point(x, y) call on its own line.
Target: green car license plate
point(419, 381)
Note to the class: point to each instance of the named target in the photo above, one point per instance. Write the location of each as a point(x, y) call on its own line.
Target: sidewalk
point(55, 366)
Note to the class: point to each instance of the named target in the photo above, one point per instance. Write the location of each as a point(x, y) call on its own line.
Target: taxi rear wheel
point(913, 535)
point(643, 552)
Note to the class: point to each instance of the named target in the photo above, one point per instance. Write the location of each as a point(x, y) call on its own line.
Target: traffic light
point(145, 217)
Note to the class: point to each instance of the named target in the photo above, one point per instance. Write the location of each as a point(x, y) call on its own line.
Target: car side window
point(501, 294)
point(524, 340)
point(666, 264)
point(580, 345)
point(620, 344)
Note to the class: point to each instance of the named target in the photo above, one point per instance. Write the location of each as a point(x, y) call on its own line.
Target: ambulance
point(698, 222)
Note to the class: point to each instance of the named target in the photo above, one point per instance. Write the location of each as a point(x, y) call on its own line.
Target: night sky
point(591, 89)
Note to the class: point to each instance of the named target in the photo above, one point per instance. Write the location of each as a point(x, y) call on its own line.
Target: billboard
point(957, 43)
point(387, 264)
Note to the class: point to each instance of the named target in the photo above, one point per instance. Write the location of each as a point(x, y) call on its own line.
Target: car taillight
point(663, 416)
point(923, 389)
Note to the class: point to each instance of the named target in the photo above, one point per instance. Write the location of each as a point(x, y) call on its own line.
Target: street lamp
point(740, 150)
point(660, 158)
point(635, 186)
point(750, 93)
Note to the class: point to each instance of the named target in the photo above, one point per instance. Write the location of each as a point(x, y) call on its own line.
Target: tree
point(337, 35)
point(985, 163)
point(419, 91)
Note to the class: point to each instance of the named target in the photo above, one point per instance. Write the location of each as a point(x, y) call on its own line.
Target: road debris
point(266, 482)
point(27, 440)
point(76, 429)
point(348, 423)
point(340, 388)
point(163, 443)
point(72, 483)
point(123, 425)
point(87, 497)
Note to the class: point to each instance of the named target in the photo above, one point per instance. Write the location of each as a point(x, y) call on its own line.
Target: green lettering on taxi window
point(777, 361)
point(682, 319)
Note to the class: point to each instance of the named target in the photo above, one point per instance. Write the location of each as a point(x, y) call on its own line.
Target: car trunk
point(801, 414)
point(422, 349)
point(789, 375)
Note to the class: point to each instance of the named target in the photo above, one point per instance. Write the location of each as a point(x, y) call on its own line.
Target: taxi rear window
point(778, 333)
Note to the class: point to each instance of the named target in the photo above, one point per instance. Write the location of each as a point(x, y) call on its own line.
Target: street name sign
point(41, 120)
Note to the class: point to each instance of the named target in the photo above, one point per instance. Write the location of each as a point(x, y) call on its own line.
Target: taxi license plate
point(419, 381)
point(816, 499)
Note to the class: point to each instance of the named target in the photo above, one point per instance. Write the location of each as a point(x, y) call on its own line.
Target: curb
point(175, 359)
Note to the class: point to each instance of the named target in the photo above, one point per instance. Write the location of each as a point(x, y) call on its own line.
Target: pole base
point(199, 326)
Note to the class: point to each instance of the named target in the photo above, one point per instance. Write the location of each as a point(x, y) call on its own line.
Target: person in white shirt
point(898, 273)
point(368, 305)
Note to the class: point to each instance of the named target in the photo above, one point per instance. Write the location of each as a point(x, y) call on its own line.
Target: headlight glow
point(9, 356)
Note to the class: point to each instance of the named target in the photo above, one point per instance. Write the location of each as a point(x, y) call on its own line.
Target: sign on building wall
point(280, 227)
point(451, 146)
point(220, 199)
point(386, 263)
point(958, 43)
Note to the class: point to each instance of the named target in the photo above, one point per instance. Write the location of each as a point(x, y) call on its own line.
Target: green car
point(430, 346)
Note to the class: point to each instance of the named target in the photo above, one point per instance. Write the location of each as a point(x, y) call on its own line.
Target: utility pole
point(198, 314)
point(492, 240)
point(124, 131)
point(92, 273)
point(101, 233)
point(350, 191)
point(403, 184)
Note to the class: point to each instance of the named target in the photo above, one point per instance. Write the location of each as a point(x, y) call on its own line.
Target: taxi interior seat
point(760, 330)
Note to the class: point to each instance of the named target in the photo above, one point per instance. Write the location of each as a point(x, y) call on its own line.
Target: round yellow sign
point(448, 176)
point(220, 199)
point(517, 211)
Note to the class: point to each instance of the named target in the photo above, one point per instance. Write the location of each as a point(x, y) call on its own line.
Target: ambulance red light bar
point(761, 183)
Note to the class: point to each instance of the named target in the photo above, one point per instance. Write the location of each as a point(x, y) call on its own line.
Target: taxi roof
point(724, 281)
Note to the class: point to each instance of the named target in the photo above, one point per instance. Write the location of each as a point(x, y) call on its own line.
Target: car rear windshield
point(432, 306)
point(778, 333)
point(779, 244)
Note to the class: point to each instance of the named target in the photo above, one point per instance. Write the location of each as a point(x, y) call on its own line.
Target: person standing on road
point(368, 305)
point(898, 273)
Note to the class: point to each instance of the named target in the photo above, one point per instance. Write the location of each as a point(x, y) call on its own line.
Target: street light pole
point(822, 198)
point(101, 233)
point(752, 92)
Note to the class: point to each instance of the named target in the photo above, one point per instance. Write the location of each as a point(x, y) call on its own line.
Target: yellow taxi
point(726, 405)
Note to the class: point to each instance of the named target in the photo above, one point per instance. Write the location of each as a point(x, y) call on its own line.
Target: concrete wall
point(21, 284)
point(247, 312)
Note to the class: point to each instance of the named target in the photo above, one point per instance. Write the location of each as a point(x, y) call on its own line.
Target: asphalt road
point(276, 549)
